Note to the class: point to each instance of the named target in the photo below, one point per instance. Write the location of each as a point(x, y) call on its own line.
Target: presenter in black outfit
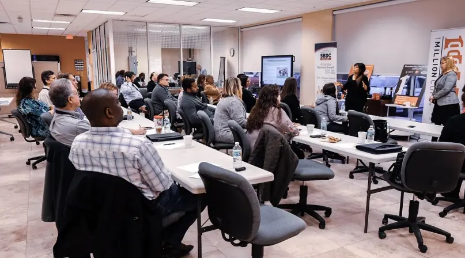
point(357, 87)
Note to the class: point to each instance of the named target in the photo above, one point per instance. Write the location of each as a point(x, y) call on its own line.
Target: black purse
point(396, 168)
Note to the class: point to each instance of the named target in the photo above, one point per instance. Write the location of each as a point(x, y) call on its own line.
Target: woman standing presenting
point(446, 102)
point(357, 87)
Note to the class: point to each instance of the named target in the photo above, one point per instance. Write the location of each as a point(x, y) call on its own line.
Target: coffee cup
point(187, 141)
point(362, 136)
point(310, 129)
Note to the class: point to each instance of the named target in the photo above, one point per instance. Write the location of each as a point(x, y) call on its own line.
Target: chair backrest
point(143, 91)
point(358, 122)
point(24, 126)
point(432, 167)
point(149, 106)
point(47, 118)
point(240, 137)
point(204, 97)
point(207, 128)
point(287, 109)
point(310, 117)
point(122, 101)
point(171, 106)
point(233, 206)
point(185, 121)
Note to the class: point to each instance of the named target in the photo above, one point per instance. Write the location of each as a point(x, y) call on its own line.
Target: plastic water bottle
point(167, 124)
point(324, 125)
point(371, 134)
point(129, 116)
point(237, 155)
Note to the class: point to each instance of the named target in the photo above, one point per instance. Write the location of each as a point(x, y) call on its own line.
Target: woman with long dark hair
point(32, 108)
point(357, 87)
point(327, 107)
point(268, 111)
point(289, 96)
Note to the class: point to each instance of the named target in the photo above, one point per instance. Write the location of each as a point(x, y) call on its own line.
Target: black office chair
point(456, 203)
point(427, 168)
point(144, 93)
point(150, 109)
point(47, 118)
point(188, 127)
point(26, 131)
point(234, 208)
point(125, 105)
point(149, 95)
point(209, 134)
point(286, 109)
point(240, 137)
point(361, 122)
point(175, 122)
point(204, 97)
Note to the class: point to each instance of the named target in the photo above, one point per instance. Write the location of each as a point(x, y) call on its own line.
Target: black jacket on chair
point(109, 217)
point(273, 153)
point(58, 176)
point(294, 104)
point(249, 99)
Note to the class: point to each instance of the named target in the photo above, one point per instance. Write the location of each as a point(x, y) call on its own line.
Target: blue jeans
point(173, 200)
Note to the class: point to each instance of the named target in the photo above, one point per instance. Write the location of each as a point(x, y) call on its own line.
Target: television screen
point(276, 69)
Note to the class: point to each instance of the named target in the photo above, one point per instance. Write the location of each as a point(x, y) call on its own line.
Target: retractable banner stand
point(443, 43)
point(410, 87)
point(325, 64)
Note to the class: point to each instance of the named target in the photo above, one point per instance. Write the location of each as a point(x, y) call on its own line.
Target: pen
point(169, 143)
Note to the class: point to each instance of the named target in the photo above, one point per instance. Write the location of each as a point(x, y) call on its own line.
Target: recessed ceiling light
point(103, 12)
point(258, 10)
point(218, 20)
point(172, 2)
point(51, 21)
point(46, 28)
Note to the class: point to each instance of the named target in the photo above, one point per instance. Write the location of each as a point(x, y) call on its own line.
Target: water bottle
point(324, 125)
point(343, 106)
point(129, 115)
point(371, 135)
point(210, 100)
point(167, 124)
point(237, 155)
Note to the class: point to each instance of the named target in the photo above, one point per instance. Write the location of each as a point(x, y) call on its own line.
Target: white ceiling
point(140, 10)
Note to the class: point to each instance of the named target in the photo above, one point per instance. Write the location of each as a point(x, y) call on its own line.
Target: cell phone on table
point(318, 136)
point(411, 126)
point(240, 169)
point(147, 127)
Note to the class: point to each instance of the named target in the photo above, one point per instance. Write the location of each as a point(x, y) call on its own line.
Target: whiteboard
point(18, 64)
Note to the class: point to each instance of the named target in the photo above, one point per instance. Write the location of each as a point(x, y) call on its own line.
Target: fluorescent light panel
point(103, 12)
point(173, 2)
point(258, 10)
point(218, 20)
point(46, 28)
point(46, 21)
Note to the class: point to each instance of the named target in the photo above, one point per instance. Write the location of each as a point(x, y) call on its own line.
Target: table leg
point(371, 171)
point(387, 115)
point(199, 228)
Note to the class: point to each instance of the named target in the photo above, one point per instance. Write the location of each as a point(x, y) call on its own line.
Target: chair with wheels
point(204, 97)
point(47, 118)
point(234, 209)
point(209, 134)
point(240, 137)
point(427, 168)
point(188, 127)
point(174, 121)
point(286, 109)
point(150, 109)
point(457, 203)
point(26, 131)
point(144, 93)
point(125, 105)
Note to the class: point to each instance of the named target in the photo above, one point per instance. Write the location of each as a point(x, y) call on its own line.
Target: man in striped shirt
point(105, 148)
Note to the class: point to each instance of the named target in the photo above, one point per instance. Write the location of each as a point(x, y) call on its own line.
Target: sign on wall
point(410, 87)
point(443, 43)
point(325, 64)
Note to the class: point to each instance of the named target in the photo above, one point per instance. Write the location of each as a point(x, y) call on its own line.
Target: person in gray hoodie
point(328, 108)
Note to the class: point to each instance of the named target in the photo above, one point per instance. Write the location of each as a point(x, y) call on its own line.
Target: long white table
point(346, 147)
point(6, 102)
point(412, 126)
point(176, 157)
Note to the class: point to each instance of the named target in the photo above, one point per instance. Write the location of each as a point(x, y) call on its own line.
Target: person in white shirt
point(131, 93)
point(47, 78)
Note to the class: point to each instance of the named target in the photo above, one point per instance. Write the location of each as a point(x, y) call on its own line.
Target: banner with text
point(325, 64)
point(410, 87)
point(443, 43)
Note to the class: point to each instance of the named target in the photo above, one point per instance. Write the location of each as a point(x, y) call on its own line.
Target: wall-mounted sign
point(79, 65)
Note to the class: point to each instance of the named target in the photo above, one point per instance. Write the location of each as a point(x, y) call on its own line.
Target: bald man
point(108, 149)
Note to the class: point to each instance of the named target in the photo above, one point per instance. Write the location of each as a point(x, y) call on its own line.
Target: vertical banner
point(325, 64)
point(409, 88)
point(443, 43)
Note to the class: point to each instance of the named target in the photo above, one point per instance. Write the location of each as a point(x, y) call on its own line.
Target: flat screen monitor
point(276, 69)
point(189, 67)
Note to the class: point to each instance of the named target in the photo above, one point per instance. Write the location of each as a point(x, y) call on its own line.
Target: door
point(41, 66)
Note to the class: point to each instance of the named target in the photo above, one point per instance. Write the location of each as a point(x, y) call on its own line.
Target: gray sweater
point(159, 95)
point(444, 89)
point(326, 108)
point(190, 104)
point(230, 108)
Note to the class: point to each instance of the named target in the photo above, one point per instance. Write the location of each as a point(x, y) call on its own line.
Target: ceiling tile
point(70, 7)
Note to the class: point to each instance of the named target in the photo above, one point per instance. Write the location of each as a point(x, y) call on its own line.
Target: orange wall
point(67, 49)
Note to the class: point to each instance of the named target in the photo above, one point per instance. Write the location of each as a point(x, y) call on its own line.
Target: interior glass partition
point(164, 47)
point(196, 50)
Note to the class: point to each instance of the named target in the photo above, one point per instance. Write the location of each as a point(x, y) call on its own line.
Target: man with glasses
point(161, 93)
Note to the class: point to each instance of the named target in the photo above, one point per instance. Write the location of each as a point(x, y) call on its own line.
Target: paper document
point(196, 176)
point(194, 167)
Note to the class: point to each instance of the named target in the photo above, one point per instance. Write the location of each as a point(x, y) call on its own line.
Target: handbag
point(396, 168)
point(379, 148)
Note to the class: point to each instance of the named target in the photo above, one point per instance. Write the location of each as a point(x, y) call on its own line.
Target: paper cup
point(362, 136)
point(187, 141)
point(310, 129)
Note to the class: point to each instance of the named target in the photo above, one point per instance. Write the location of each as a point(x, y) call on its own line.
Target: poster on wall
point(410, 87)
point(325, 64)
point(443, 43)
point(368, 72)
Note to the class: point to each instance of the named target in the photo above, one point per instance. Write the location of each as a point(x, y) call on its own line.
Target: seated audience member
point(120, 78)
point(328, 108)
point(201, 83)
point(161, 93)
point(211, 90)
point(32, 108)
point(289, 97)
point(454, 131)
point(70, 77)
point(230, 107)
point(137, 161)
point(190, 104)
point(67, 122)
point(131, 93)
point(268, 111)
point(152, 83)
point(247, 96)
point(47, 78)
point(140, 80)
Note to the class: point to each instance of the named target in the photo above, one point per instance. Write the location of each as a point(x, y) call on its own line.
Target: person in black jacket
point(357, 87)
point(247, 96)
point(140, 80)
point(152, 83)
point(289, 96)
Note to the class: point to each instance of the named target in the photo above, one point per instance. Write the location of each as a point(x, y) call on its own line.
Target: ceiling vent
point(64, 15)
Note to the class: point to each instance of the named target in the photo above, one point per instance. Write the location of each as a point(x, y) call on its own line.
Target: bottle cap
point(237, 143)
